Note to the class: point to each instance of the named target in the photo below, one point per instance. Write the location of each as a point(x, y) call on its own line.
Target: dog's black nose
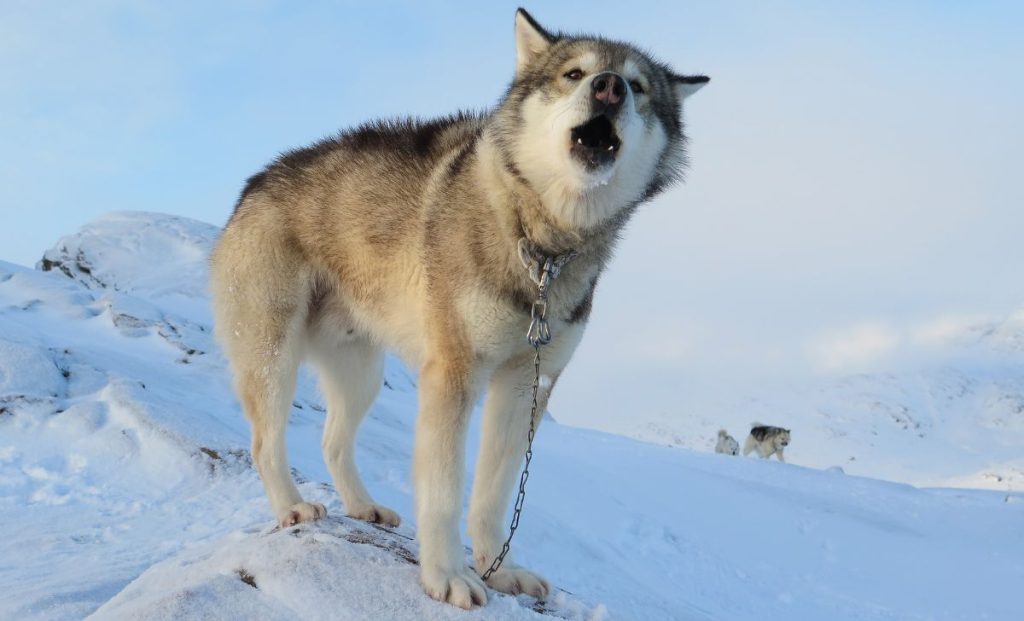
point(609, 89)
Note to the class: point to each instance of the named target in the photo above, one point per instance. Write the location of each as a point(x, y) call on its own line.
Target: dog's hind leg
point(350, 374)
point(266, 393)
point(260, 305)
point(748, 445)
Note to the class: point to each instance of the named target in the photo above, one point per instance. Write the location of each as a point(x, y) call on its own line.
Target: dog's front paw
point(462, 587)
point(378, 514)
point(515, 580)
point(301, 512)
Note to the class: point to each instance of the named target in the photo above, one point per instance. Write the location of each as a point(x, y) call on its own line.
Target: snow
point(127, 490)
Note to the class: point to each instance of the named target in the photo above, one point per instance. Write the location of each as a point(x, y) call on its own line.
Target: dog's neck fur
point(529, 217)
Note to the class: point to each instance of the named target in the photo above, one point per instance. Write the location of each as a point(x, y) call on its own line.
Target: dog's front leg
point(778, 453)
point(446, 397)
point(503, 439)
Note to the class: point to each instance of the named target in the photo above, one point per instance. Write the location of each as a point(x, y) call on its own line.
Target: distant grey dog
point(767, 441)
point(419, 237)
point(727, 444)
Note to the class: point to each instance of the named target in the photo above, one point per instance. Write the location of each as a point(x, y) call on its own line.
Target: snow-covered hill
point(954, 416)
point(127, 491)
point(948, 413)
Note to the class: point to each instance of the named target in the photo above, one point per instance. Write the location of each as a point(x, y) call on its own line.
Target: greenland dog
point(727, 444)
point(404, 236)
point(767, 441)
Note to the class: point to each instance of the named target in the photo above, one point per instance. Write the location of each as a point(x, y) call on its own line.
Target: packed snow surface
point(127, 491)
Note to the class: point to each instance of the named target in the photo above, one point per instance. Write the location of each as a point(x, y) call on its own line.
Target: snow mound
point(306, 572)
point(136, 251)
point(28, 372)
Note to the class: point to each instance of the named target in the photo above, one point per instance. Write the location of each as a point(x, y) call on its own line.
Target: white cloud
point(855, 349)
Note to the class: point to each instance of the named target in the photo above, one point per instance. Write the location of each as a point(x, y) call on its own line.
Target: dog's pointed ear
point(687, 85)
point(531, 40)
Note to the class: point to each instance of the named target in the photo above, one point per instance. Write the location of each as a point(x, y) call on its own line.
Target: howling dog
point(407, 236)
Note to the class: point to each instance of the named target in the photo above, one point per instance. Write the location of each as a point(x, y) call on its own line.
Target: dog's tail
point(722, 433)
point(756, 424)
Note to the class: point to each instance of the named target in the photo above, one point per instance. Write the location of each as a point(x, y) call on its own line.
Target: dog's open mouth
point(595, 143)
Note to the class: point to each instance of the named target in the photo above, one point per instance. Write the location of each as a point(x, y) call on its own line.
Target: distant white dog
point(767, 441)
point(727, 444)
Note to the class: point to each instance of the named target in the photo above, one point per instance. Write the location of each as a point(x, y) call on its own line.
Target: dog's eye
point(575, 75)
point(636, 87)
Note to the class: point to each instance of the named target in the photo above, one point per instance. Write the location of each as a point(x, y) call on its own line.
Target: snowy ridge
point(126, 484)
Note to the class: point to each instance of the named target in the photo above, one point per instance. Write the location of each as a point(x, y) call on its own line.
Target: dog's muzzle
point(595, 143)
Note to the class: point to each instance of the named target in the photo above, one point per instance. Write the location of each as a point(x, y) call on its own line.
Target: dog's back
point(313, 228)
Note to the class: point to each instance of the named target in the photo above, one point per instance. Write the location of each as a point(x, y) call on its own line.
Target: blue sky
point(855, 165)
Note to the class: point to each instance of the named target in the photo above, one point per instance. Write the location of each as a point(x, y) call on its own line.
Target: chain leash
point(518, 510)
point(542, 270)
